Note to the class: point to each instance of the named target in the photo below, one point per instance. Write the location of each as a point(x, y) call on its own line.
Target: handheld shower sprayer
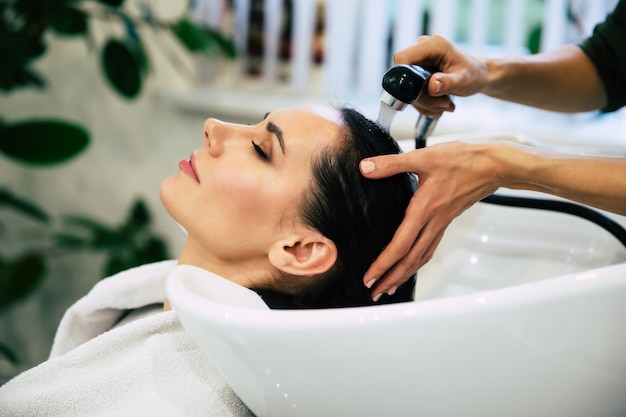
point(402, 85)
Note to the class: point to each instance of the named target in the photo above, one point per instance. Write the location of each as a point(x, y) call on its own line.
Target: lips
point(188, 166)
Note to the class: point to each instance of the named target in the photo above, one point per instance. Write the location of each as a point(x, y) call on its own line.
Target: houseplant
point(25, 28)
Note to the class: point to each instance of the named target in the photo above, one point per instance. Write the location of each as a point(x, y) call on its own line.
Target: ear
point(306, 254)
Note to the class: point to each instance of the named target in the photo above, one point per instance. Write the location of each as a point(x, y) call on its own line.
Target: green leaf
point(139, 215)
point(29, 77)
point(123, 65)
point(133, 42)
point(20, 278)
point(19, 78)
point(8, 353)
point(153, 250)
point(112, 3)
point(66, 240)
point(91, 225)
point(25, 207)
point(98, 236)
point(43, 142)
point(31, 10)
point(534, 40)
point(225, 44)
point(69, 21)
point(110, 241)
point(202, 39)
point(189, 35)
point(17, 50)
point(117, 264)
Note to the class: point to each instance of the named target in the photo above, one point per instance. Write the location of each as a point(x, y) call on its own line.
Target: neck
point(236, 271)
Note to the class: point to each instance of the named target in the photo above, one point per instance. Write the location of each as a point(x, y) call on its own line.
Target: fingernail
point(437, 86)
point(376, 297)
point(370, 283)
point(392, 290)
point(367, 167)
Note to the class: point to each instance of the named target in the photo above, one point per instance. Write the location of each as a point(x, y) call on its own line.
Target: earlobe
point(308, 256)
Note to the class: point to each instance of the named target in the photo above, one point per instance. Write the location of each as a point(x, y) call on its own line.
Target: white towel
point(99, 367)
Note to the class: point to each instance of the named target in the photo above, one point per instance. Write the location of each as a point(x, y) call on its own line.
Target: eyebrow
point(272, 128)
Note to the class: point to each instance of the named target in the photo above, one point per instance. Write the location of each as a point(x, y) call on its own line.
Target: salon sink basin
point(520, 313)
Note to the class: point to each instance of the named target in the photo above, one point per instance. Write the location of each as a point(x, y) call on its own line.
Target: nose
point(218, 135)
point(214, 136)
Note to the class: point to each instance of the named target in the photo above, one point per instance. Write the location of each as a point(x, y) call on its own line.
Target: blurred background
point(102, 99)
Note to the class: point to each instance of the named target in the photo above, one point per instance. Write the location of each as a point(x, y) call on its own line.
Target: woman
point(279, 207)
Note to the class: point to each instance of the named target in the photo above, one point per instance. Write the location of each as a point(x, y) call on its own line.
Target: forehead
point(326, 113)
point(310, 120)
point(307, 130)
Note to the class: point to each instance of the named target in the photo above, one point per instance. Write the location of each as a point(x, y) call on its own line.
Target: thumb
point(387, 165)
point(442, 83)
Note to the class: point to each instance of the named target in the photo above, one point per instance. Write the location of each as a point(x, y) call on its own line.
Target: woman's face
point(239, 193)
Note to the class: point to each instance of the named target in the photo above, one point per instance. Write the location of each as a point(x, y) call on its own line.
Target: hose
point(594, 216)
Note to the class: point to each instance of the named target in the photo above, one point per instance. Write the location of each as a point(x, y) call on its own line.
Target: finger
point(411, 263)
point(443, 103)
point(402, 241)
point(428, 254)
point(419, 53)
point(400, 245)
point(430, 113)
point(387, 165)
point(394, 278)
point(434, 106)
point(401, 271)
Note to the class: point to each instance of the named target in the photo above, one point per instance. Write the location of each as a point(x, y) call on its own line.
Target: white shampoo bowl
point(510, 321)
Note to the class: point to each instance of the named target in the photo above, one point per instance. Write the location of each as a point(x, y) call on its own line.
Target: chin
point(167, 193)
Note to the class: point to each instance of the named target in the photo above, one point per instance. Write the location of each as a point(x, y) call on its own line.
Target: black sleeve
point(607, 50)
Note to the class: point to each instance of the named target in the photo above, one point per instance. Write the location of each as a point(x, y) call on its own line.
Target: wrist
point(514, 164)
point(495, 76)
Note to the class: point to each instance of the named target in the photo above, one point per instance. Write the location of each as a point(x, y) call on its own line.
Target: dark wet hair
point(358, 214)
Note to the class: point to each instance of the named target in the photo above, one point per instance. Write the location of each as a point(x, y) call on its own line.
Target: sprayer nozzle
point(391, 101)
point(402, 85)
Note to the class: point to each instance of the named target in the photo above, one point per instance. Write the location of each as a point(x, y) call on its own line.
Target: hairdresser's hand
point(460, 74)
point(452, 177)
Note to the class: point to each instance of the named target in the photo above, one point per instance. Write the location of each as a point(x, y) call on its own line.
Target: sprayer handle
point(406, 82)
point(423, 129)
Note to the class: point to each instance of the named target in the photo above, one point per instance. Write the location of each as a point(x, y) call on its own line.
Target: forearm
point(598, 182)
point(563, 80)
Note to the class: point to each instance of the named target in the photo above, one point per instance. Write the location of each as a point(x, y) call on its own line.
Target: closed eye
point(260, 152)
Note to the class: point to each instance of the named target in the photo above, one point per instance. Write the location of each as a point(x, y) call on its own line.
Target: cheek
point(231, 203)
point(254, 200)
point(235, 190)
